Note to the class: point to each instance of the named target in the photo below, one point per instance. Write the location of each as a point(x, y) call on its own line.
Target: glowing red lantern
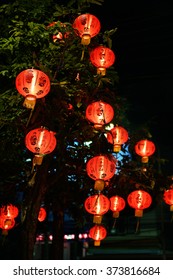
point(40, 141)
point(70, 107)
point(32, 84)
point(102, 58)
point(42, 214)
point(6, 224)
point(168, 198)
point(86, 26)
point(99, 113)
point(9, 211)
point(59, 36)
point(139, 200)
point(97, 233)
point(101, 168)
point(117, 204)
point(145, 148)
point(97, 205)
point(117, 136)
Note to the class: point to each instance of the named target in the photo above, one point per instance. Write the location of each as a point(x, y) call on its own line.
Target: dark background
point(143, 45)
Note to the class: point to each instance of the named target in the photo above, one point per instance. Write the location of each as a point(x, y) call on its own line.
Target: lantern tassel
point(82, 57)
point(171, 217)
point(4, 233)
point(4, 236)
point(33, 166)
point(114, 224)
point(28, 121)
point(137, 225)
point(32, 180)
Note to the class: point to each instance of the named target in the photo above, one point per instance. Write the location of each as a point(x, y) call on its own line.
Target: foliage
point(30, 45)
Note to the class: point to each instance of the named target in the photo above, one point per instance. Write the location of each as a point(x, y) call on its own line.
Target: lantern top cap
point(86, 14)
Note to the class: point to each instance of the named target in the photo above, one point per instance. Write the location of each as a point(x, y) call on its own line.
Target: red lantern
point(6, 224)
point(32, 84)
point(99, 113)
point(139, 200)
point(97, 233)
point(42, 214)
point(102, 58)
point(168, 198)
point(97, 205)
point(9, 211)
point(117, 136)
point(86, 26)
point(58, 36)
point(145, 148)
point(40, 141)
point(117, 204)
point(101, 168)
point(69, 107)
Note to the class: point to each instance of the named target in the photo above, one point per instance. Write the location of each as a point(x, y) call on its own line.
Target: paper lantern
point(97, 233)
point(6, 224)
point(117, 204)
point(101, 168)
point(99, 113)
point(168, 198)
point(97, 205)
point(42, 214)
point(102, 58)
point(9, 211)
point(40, 141)
point(32, 84)
point(117, 136)
point(59, 36)
point(145, 148)
point(86, 26)
point(139, 200)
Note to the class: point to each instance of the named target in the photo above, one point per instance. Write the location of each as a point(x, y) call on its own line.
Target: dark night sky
point(143, 45)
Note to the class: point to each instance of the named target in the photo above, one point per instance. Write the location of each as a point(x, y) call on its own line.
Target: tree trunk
point(57, 249)
point(33, 202)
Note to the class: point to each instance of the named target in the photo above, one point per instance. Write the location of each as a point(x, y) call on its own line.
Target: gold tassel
point(137, 225)
point(32, 110)
point(115, 220)
point(82, 57)
point(32, 180)
point(33, 166)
